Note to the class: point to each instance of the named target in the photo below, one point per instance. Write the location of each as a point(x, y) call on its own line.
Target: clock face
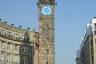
point(46, 10)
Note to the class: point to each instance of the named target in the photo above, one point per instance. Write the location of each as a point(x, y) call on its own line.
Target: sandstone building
point(23, 46)
point(88, 44)
point(17, 45)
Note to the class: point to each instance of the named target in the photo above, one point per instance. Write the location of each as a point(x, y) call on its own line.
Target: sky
point(71, 17)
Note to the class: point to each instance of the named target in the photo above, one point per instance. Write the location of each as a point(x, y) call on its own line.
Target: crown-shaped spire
point(47, 1)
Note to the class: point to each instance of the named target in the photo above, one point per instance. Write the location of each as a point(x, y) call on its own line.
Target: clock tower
point(46, 32)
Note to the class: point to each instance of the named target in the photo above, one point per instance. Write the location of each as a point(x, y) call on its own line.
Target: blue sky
point(71, 17)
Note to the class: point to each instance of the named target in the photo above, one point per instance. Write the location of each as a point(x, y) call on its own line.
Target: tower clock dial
point(46, 10)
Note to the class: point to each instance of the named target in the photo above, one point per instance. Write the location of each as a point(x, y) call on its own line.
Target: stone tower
point(46, 30)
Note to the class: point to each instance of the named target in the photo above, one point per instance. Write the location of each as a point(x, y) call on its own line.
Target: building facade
point(17, 45)
point(88, 44)
point(23, 46)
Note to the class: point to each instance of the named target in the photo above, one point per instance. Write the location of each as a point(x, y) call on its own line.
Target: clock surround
point(46, 10)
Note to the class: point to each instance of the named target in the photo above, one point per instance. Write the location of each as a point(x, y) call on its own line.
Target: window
point(2, 31)
point(24, 60)
point(92, 59)
point(47, 51)
point(25, 38)
point(95, 41)
point(47, 62)
point(44, 0)
point(8, 46)
point(8, 57)
point(94, 32)
point(2, 44)
point(45, 26)
point(24, 49)
point(16, 47)
point(2, 56)
point(47, 39)
point(92, 52)
point(15, 59)
point(95, 25)
point(16, 36)
point(82, 58)
point(9, 34)
point(47, 32)
point(91, 43)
